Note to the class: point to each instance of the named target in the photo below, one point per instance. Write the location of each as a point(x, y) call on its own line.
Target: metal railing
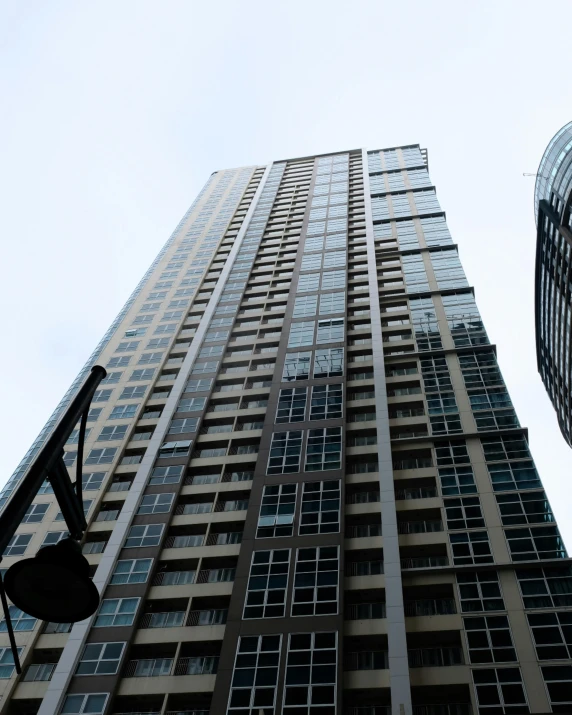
point(181, 542)
point(221, 539)
point(43, 671)
point(108, 515)
point(362, 497)
point(196, 508)
point(232, 505)
point(174, 578)
point(424, 562)
point(430, 607)
point(165, 619)
point(361, 531)
point(216, 575)
point(414, 463)
point(149, 668)
point(58, 627)
point(442, 709)
point(364, 611)
point(419, 527)
point(93, 547)
point(434, 657)
point(210, 617)
point(119, 487)
point(369, 710)
point(237, 476)
point(202, 479)
point(364, 568)
point(366, 660)
point(419, 493)
point(197, 665)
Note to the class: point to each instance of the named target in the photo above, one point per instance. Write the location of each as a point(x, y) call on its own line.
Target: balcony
point(419, 527)
point(361, 531)
point(431, 607)
point(197, 665)
point(434, 657)
point(210, 617)
point(216, 575)
point(424, 562)
point(174, 578)
point(364, 611)
point(364, 568)
point(363, 497)
point(366, 660)
point(40, 672)
point(150, 668)
point(419, 493)
point(168, 619)
point(184, 541)
point(58, 628)
point(224, 538)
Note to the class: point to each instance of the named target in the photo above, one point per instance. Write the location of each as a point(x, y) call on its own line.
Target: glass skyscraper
point(307, 489)
point(552, 206)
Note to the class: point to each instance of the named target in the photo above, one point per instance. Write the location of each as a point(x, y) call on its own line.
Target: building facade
point(307, 490)
point(553, 281)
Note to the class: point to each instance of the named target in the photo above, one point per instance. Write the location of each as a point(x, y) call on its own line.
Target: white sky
point(114, 114)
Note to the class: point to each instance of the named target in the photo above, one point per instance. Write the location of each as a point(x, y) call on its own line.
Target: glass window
point(535, 543)
point(333, 279)
point(320, 508)
point(464, 513)
point(17, 545)
point(548, 587)
point(311, 669)
point(308, 282)
point(166, 475)
point(558, 679)
point(305, 306)
point(100, 659)
point(182, 426)
point(156, 504)
point(330, 331)
point(116, 612)
point(7, 665)
point(297, 366)
point(277, 511)
point(552, 633)
point(329, 362)
point(524, 508)
point(255, 676)
point(499, 690)
point(144, 535)
point(20, 621)
point(457, 480)
point(285, 452)
point(327, 402)
point(193, 405)
point(489, 639)
point(101, 456)
point(123, 412)
point(324, 450)
point(131, 571)
point(471, 547)
point(201, 385)
point(292, 404)
point(90, 704)
point(316, 581)
point(53, 537)
point(35, 513)
point(301, 334)
point(175, 449)
point(479, 591)
point(332, 303)
point(267, 584)
point(112, 432)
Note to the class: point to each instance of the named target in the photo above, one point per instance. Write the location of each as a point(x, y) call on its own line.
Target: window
point(92, 704)
point(479, 591)
point(464, 513)
point(316, 581)
point(132, 393)
point(100, 659)
point(69, 458)
point(297, 366)
point(301, 334)
point(308, 282)
point(149, 358)
point(54, 537)
point(277, 511)
point(86, 507)
point(123, 412)
point(202, 367)
point(330, 331)
point(35, 513)
point(457, 480)
point(193, 405)
point(285, 452)
point(74, 436)
point(255, 676)
point(116, 612)
point(311, 263)
point(20, 621)
point(143, 374)
point(292, 404)
point(552, 634)
point(327, 402)
point(489, 639)
point(175, 449)
point(157, 294)
point(332, 303)
point(320, 512)
point(189, 424)
point(535, 543)
point(267, 583)
point(213, 351)
point(444, 424)
point(333, 279)
point(7, 665)
point(310, 680)
point(453, 452)
point(131, 571)
point(324, 450)
point(524, 508)
point(156, 504)
point(335, 259)
point(143, 320)
point(329, 362)
point(93, 414)
point(166, 475)
point(203, 385)
point(101, 456)
point(548, 587)
point(471, 547)
point(558, 679)
point(502, 448)
point(144, 535)
point(305, 306)
point(499, 690)
point(122, 361)
point(135, 332)
point(127, 346)
point(108, 434)
point(101, 395)
point(17, 545)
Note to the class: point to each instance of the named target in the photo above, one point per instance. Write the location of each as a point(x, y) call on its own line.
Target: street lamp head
point(54, 585)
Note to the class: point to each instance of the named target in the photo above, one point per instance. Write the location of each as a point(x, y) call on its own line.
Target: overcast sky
point(114, 114)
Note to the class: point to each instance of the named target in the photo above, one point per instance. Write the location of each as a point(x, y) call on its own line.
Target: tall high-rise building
point(308, 492)
point(553, 284)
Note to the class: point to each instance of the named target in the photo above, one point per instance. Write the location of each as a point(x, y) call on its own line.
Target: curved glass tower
point(553, 282)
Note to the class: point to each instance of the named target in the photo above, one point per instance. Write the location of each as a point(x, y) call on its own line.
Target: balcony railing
point(93, 547)
point(216, 575)
point(364, 611)
point(362, 497)
point(119, 487)
point(420, 493)
point(245, 476)
point(364, 568)
point(43, 671)
point(361, 531)
point(366, 660)
point(369, 710)
point(419, 527)
point(414, 463)
point(109, 515)
point(182, 542)
point(152, 668)
point(210, 617)
point(232, 505)
point(230, 537)
point(196, 508)
point(444, 709)
point(424, 562)
point(58, 627)
point(434, 657)
point(430, 607)
point(166, 619)
point(174, 578)
point(198, 665)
